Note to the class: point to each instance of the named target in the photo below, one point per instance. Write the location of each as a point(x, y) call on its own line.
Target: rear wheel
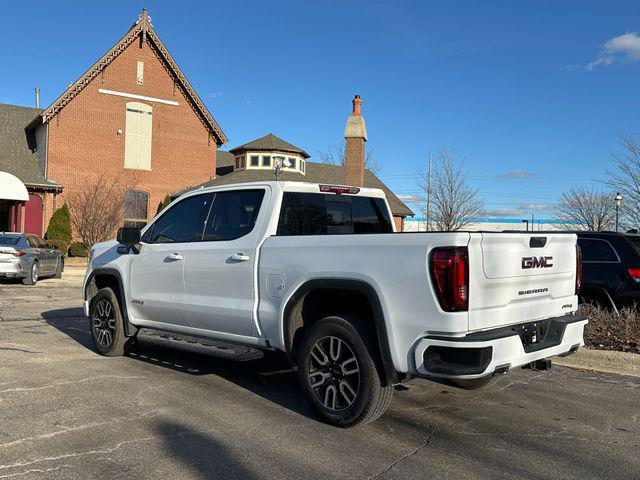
point(338, 372)
point(32, 276)
point(107, 325)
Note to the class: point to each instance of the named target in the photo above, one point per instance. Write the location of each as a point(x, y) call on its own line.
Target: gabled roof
point(269, 143)
point(16, 156)
point(143, 30)
point(315, 173)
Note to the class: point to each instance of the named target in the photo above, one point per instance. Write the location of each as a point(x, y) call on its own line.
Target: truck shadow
point(270, 377)
point(200, 452)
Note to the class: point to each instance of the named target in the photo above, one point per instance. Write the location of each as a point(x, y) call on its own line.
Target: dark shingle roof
point(16, 157)
point(270, 143)
point(225, 162)
point(315, 173)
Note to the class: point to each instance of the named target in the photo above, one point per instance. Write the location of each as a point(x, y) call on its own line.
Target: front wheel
point(107, 325)
point(338, 373)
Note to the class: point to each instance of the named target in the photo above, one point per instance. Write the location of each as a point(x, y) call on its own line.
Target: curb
point(621, 363)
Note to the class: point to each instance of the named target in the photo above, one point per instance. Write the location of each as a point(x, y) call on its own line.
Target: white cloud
point(536, 206)
point(621, 49)
point(216, 94)
point(503, 212)
point(411, 198)
point(570, 67)
point(517, 173)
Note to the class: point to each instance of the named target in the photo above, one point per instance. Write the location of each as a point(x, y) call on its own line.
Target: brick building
point(133, 116)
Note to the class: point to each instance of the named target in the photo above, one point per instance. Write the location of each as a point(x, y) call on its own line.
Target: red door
point(33, 215)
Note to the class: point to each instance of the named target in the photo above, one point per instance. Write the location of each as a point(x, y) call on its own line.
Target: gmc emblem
point(537, 262)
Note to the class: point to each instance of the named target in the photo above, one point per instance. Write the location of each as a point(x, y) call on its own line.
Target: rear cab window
point(9, 240)
point(330, 214)
point(597, 250)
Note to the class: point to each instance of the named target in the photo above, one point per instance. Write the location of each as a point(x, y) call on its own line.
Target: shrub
point(60, 225)
point(164, 204)
point(610, 331)
point(62, 245)
point(78, 249)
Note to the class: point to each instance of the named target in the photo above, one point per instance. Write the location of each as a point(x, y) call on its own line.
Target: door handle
point(174, 256)
point(239, 257)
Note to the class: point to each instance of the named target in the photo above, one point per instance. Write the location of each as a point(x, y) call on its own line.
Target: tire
point(343, 398)
point(107, 325)
point(59, 269)
point(32, 276)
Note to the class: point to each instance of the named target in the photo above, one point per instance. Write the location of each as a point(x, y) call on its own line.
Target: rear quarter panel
point(394, 265)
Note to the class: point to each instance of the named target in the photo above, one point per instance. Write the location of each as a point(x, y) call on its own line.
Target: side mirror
point(128, 236)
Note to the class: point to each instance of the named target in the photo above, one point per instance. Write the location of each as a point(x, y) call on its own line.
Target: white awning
point(11, 188)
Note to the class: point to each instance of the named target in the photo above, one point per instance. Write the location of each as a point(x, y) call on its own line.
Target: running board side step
point(204, 345)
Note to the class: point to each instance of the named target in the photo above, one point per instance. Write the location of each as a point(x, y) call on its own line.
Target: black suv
point(610, 268)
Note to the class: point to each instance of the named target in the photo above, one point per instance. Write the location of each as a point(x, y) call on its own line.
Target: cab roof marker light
point(339, 189)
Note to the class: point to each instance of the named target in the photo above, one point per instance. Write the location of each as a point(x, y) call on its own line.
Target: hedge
point(60, 226)
point(78, 249)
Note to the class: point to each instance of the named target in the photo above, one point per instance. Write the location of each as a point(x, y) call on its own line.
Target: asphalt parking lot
point(66, 412)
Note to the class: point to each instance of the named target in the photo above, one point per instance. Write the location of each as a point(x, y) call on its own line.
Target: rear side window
point(183, 222)
point(595, 250)
point(330, 214)
point(233, 214)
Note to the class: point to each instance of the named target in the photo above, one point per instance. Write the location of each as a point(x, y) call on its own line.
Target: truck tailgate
point(522, 277)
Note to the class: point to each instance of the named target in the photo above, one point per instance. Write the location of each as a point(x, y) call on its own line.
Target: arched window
point(136, 205)
point(137, 142)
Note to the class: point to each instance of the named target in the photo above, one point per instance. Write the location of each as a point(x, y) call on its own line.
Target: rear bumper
point(11, 269)
point(480, 354)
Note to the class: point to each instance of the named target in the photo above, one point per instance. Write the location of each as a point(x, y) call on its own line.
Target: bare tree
point(97, 208)
point(335, 155)
point(584, 208)
point(454, 203)
point(625, 178)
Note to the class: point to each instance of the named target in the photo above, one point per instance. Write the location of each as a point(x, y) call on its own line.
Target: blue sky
point(532, 94)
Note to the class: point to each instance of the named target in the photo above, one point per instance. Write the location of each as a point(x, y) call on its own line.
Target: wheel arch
point(294, 325)
point(109, 277)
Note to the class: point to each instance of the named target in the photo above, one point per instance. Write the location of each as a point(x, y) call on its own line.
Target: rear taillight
point(635, 274)
point(450, 276)
point(17, 254)
point(578, 269)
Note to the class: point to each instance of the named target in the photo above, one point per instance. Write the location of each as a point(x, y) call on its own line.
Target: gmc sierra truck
point(318, 273)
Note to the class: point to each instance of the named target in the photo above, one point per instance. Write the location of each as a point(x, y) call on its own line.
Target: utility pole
point(429, 193)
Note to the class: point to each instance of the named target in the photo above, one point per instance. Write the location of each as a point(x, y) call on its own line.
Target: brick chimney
point(355, 135)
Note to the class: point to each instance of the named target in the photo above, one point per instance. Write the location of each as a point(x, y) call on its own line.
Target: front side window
point(292, 161)
point(255, 161)
point(137, 142)
point(595, 250)
point(182, 222)
point(266, 160)
point(136, 204)
point(233, 214)
point(327, 214)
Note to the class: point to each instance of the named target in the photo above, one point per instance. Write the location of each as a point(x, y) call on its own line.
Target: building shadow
point(201, 453)
point(269, 377)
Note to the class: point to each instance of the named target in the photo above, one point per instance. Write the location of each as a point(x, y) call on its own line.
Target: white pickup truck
point(317, 272)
